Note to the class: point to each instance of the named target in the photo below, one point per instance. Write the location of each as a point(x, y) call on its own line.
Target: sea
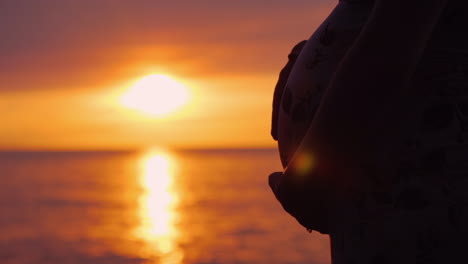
point(154, 206)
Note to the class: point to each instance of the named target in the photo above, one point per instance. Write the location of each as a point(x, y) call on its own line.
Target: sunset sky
point(65, 65)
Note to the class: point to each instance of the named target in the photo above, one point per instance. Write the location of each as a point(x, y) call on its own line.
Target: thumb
point(274, 180)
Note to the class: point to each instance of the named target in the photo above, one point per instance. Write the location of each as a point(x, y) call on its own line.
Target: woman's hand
point(281, 84)
point(362, 111)
point(310, 206)
point(360, 115)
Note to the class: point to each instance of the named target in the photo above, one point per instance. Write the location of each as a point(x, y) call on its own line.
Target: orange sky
point(64, 64)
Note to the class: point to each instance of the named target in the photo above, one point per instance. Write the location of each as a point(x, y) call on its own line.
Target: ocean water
point(168, 207)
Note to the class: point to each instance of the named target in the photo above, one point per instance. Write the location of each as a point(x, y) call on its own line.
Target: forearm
point(356, 111)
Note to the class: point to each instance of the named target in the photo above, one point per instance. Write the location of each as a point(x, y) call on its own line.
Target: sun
point(156, 94)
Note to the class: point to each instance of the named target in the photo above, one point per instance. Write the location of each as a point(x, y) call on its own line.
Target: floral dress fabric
point(423, 216)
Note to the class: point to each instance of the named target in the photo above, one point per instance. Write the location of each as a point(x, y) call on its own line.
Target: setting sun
point(156, 94)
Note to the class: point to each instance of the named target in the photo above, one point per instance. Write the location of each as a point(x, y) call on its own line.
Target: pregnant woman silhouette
point(371, 118)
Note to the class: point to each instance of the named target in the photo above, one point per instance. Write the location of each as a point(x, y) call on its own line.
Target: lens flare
point(304, 163)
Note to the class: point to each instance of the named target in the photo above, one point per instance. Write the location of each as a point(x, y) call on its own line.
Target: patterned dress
point(423, 216)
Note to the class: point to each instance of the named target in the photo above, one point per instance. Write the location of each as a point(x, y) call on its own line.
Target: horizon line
point(135, 149)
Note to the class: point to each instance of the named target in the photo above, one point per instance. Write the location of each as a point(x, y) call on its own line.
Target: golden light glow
point(156, 94)
point(157, 207)
point(304, 163)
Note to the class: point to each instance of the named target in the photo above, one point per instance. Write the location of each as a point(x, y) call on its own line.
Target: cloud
point(76, 44)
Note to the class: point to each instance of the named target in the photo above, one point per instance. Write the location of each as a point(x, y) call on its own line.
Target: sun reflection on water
point(157, 207)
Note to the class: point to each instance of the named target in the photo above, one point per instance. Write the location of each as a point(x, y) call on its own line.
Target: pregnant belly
point(313, 71)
